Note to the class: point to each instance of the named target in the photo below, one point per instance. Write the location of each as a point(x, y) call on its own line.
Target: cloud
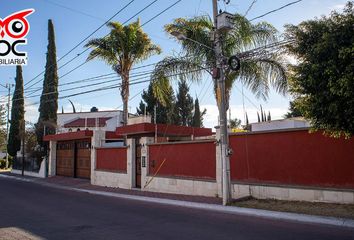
point(337, 7)
point(31, 111)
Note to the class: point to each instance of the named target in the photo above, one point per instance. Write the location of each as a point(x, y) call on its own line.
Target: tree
point(322, 81)
point(293, 111)
point(184, 104)
point(3, 134)
point(164, 114)
point(258, 72)
point(197, 120)
point(94, 109)
point(49, 99)
point(235, 123)
point(123, 47)
point(17, 123)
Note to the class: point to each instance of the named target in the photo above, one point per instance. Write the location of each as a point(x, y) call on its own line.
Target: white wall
point(116, 120)
point(280, 124)
point(292, 194)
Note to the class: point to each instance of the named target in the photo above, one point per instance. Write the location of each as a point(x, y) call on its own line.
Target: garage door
point(83, 159)
point(65, 158)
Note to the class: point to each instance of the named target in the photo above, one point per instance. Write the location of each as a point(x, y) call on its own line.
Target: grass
point(311, 208)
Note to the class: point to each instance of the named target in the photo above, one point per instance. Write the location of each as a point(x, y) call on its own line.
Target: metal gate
point(65, 158)
point(83, 159)
point(74, 158)
point(138, 163)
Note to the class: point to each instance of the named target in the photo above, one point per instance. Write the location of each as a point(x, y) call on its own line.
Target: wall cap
point(294, 186)
point(183, 142)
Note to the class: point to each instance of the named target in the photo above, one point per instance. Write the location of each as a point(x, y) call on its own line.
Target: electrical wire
point(119, 11)
point(154, 17)
point(250, 7)
point(276, 10)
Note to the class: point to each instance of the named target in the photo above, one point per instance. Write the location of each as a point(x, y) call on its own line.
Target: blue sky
point(84, 16)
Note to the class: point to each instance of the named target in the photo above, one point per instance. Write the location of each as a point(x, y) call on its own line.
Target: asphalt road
point(47, 213)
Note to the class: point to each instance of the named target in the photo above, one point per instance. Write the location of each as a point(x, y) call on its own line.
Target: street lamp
point(180, 36)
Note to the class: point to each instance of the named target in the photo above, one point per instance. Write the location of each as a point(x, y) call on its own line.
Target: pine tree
point(269, 118)
point(49, 99)
point(164, 114)
point(17, 115)
point(197, 117)
point(184, 104)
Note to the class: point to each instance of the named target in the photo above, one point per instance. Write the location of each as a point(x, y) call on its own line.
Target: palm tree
point(123, 47)
point(258, 71)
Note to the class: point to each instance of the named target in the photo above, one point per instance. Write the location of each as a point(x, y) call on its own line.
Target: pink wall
point(293, 158)
point(195, 160)
point(112, 159)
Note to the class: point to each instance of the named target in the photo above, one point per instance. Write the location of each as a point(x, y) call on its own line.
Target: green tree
point(235, 123)
point(257, 72)
point(322, 82)
point(164, 114)
point(49, 99)
point(198, 116)
point(17, 122)
point(3, 134)
point(123, 47)
point(293, 111)
point(184, 104)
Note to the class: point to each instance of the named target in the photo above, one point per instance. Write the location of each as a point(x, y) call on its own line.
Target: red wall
point(293, 158)
point(112, 159)
point(195, 160)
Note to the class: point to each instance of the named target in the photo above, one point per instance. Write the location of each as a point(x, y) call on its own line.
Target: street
point(61, 214)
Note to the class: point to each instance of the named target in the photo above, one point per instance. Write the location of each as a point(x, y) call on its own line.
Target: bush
point(2, 163)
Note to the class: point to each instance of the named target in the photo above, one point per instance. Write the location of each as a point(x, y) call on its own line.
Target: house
point(103, 120)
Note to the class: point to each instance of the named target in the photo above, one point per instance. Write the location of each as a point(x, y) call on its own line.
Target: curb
point(295, 217)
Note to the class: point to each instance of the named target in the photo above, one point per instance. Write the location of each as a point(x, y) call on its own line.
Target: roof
point(162, 130)
point(87, 122)
point(89, 112)
point(69, 136)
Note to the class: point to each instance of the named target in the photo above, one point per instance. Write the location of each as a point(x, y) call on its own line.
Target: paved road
point(39, 212)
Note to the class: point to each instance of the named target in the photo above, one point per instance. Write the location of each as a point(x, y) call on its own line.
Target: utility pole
point(220, 78)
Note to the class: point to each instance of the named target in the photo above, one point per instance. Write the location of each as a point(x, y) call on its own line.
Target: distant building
point(297, 122)
point(103, 120)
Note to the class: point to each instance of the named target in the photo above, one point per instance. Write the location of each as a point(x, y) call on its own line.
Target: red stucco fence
point(186, 159)
point(293, 158)
point(112, 159)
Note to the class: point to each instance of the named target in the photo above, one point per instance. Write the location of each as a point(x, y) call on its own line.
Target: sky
point(74, 20)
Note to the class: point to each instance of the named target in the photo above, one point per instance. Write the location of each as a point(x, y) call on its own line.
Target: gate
point(65, 158)
point(74, 158)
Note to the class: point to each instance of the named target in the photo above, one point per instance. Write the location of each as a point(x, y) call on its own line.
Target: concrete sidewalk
point(204, 203)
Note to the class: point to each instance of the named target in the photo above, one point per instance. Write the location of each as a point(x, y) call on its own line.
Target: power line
point(79, 54)
point(108, 87)
point(276, 10)
point(163, 11)
point(73, 10)
point(119, 11)
point(250, 7)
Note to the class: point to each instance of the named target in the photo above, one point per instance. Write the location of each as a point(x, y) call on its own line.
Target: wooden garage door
point(65, 158)
point(83, 159)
